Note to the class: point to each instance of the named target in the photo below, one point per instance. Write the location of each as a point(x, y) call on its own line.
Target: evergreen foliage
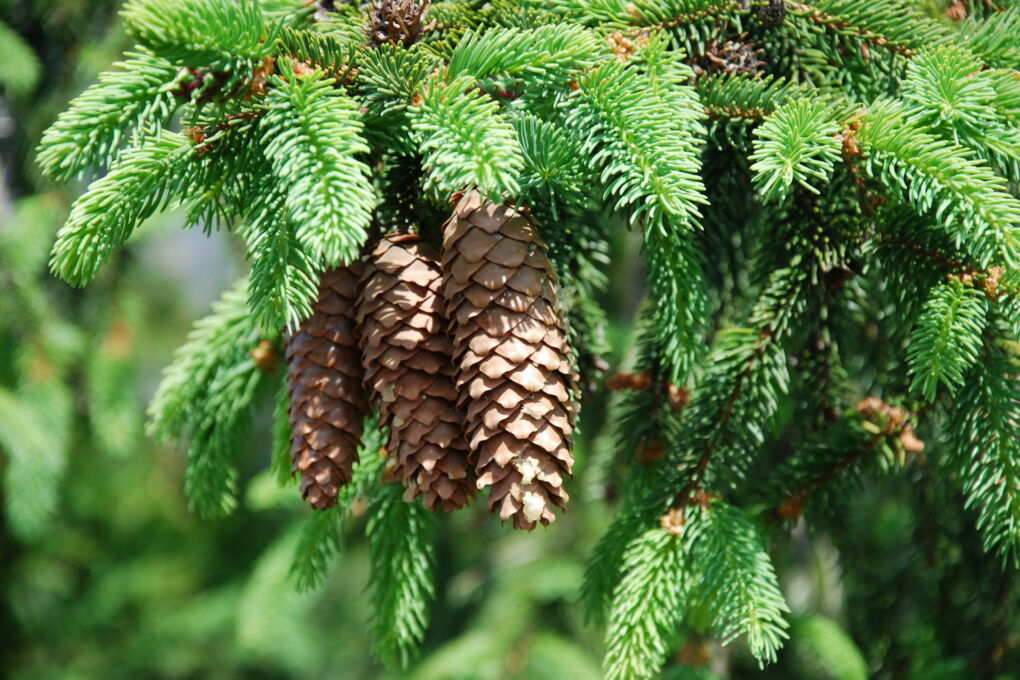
point(647, 602)
point(205, 398)
point(401, 538)
point(986, 460)
point(827, 229)
point(312, 136)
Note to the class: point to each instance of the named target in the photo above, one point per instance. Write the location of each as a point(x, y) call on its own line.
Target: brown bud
point(792, 507)
point(649, 451)
point(696, 653)
point(911, 444)
point(673, 521)
point(678, 396)
point(870, 406)
point(703, 498)
point(992, 278)
point(120, 340)
point(265, 356)
point(957, 11)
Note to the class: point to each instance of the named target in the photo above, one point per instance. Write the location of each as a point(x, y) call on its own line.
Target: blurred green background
point(106, 575)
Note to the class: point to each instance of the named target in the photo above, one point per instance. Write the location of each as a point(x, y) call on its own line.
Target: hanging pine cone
point(406, 354)
point(397, 22)
point(324, 382)
point(514, 365)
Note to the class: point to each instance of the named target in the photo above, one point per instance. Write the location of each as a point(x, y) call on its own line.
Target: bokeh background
point(105, 574)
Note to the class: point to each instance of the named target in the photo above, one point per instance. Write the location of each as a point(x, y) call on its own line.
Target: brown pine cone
point(514, 364)
point(324, 381)
point(397, 22)
point(406, 354)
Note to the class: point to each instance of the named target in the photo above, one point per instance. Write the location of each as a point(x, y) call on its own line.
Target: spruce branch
point(895, 25)
point(624, 120)
point(994, 38)
point(948, 337)
point(840, 453)
point(733, 102)
point(20, 69)
point(553, 167)
point(982, 433)
point(204, 397)
point(676, 279)
point(949, 91)
point(283, 282)
point(748, 374)
point(312, 135)
point(465, 139)
point(649, 600)
point(146, 179)
point(329, 52)
point(547, 55)
point(944, 179)
point(35, 433)
point(1007, 94)
point(212, 33)
point(624, 115)
point(391, 79)
point(605, 567)
point(738, 582)
point(139, 96)
point(796, 143)
point(401, 537)
point(661, 14)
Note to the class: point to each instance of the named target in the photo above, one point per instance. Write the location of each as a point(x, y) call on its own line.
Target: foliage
point(817, 202)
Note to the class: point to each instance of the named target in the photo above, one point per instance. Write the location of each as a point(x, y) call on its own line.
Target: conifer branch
point(662, 14)
point(739, 584)
point(214, 33)
point(994, 39)
point(947, 339)
point(401, 537)
point(20, 69)
point(839, 452)
point(35, 431)
point(891, 24)
point(283, 282)
point(204, 397)
point(89, 134)
point(748, 373)
point(312, 136)
point(465, 139)
point(144, 180)
point(984, 450)
point(549, 55)
point(624, 119)
point(649, 600)
point(797, 142)
point(984, 217)
point(327, 52)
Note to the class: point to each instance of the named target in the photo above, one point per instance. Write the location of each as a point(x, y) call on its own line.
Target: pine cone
point(740, 55)
point(407, 359)
point(397, 22)
point(514, 365)
point(324, 382)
